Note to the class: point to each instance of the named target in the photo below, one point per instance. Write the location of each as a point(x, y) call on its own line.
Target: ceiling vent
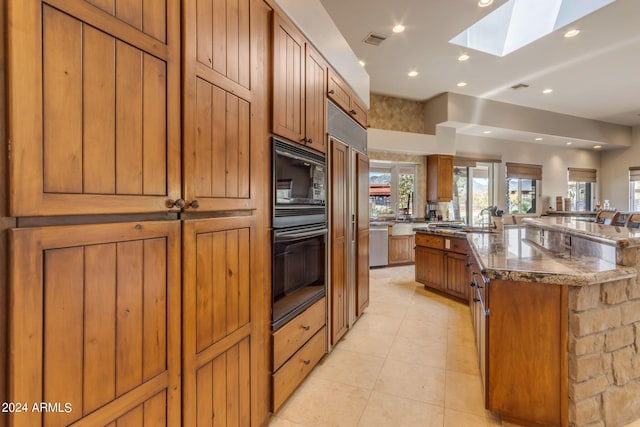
point(520, 86)
point(375, 39)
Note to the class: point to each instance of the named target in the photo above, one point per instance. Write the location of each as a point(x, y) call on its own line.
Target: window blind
point(524, 171)
point(582, 175)
point(472, 162)
point(634, 173)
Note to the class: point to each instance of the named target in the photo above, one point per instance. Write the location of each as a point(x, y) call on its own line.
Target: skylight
point(519, 22)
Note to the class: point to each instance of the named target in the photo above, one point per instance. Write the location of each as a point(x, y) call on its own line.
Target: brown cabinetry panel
point(401, 249)
point(219, 259)
point(315, 101)
point(222, 389)
point(339, 231)
point(527, 353)
point(95, 304)
point(457, 275)
point(362, 234)
point(102, 106)
point(288, 80)
point(430, 267)
point(343, 97)
point(439, 178)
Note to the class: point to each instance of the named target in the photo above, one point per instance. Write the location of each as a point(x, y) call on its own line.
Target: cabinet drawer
point(288, 339)
point(287, 378)
point(429, 241)
point(457, 245)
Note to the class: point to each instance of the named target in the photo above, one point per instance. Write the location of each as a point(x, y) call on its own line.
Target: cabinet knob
point(304, 140)
point(331, 92)
point(476, 299)
point(352, 112)
point(310, 141)
point(306, 362)
point(468, 264)
point(306, 327)
point(194, 204)
point(472, 284)
point(175, 203)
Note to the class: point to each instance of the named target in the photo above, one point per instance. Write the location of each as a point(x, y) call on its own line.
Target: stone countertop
point(439, 231)
point(620, 237)
point(507, 255)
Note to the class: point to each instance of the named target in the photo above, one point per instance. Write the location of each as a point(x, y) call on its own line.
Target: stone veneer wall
point(390, 113)
point(604, 349)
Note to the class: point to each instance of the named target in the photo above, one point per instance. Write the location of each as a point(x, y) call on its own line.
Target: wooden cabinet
point(299, 82)
point(95, 108)
point(297, 348)
point(439, 178)
point(343, 97)
point(442, 263)
point(401, 249)
point(95, 322)
point(339, 237)
point(527, 352)
point(430, 268)
point(478, 304)
point(119, 110)
point(362, 237)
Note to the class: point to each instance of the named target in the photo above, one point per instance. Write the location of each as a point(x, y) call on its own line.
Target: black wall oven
point(299, 230)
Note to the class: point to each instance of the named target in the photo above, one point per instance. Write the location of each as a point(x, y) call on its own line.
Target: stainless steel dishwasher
point(378, 245)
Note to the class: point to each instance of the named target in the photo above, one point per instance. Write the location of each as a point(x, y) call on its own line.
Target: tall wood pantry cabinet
point(137, 223)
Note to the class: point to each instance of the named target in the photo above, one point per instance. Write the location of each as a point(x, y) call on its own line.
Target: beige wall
point(615, 171)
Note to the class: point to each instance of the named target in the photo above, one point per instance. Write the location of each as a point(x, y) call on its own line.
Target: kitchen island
point(556, 312)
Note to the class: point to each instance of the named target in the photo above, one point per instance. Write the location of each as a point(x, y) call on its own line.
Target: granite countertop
point(507, 255)
point(439, 231)
point(621, 237)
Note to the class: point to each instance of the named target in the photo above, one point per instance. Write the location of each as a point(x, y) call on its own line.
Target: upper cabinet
point(95, 108)
point(439, 178)
point(299, 82)
point(341, 94)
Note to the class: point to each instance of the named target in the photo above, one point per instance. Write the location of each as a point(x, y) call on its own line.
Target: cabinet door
point(445, 178)
point(316, 101)
point(288, 80)
point(95, 323)
point(338, 91)
point(359, 112)
point(400, 249)
point(457, 275)
point(219, 297)
point(339, 249)
point(224, 102)
point(362, 238)
point(95, 107)
point(430, 268)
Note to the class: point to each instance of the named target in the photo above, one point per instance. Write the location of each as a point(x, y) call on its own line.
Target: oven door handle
point(282, 237)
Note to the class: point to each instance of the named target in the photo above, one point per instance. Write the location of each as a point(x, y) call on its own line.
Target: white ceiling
point(595, 75)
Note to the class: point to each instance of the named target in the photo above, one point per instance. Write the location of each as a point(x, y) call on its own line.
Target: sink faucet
point(486, 213)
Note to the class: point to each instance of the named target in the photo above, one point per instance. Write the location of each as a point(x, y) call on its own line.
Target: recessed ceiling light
point(463, 57)
point(362, 63)
point(412, 73)
point(569, 142)
point(398, 28)
point(572, 33)
point(548, 90)
point(597, 146)
point(462, 84)
point(487, 131)
point(538, 139)
point(485, 3)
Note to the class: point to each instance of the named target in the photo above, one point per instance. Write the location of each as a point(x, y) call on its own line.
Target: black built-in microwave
point(299, 185)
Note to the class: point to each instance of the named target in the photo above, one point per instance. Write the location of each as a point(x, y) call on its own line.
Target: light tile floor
point(409, 361)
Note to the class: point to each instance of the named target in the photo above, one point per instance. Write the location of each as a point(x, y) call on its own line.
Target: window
point(472, 184)
point(391, 189)
point(522, 183)
point(581, 188)
point(634, 188)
